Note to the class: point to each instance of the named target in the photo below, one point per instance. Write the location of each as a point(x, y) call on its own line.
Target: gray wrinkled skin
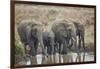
point(80, 32)
point(31, 34)
point(65, 32)
point(48, 40)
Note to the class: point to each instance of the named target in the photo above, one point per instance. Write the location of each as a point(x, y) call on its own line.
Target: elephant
point(80, 32)
point(65, 34)
point(31, 36)
point(48, 40)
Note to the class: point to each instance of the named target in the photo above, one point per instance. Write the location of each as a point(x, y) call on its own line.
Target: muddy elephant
point(31, 36)
point(48, 40)
point(65, 35)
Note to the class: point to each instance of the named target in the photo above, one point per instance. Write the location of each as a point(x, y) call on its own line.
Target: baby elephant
point(48, 40)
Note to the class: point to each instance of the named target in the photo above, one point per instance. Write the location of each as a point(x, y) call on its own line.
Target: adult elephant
point(80, 32)
point(30, 33)
point(65, 34)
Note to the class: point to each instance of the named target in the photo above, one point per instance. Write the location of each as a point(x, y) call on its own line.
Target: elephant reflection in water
point(74, 57)
point(69, 58)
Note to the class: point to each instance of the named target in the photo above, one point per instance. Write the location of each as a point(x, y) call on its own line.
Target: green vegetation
point(19, 52)
point(19, 49)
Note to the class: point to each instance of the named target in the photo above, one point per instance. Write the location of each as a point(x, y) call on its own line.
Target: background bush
point(19, 52)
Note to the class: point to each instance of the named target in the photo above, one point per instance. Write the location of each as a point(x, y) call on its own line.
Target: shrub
point(19, 52)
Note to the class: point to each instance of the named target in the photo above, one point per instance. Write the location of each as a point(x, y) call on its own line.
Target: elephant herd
point(63, 35)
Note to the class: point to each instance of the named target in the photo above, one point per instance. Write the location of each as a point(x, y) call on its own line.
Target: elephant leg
point(45, 48)
point(52, 45)
point(53, 50)
point(40, 40)
point(56, 47)
point(79, 42)
point(75, 42)
point(83, 42)
point(59, 49)
point(70, 44)
point(35, 47)
point(48, 50)
point(52, 53)
point(64, 47)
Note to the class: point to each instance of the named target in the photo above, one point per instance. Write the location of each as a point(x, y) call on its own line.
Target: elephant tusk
point(73, 38)
point(39, 44)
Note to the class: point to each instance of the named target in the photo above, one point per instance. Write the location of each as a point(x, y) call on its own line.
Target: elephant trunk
point(75, 41)
point(40, 39)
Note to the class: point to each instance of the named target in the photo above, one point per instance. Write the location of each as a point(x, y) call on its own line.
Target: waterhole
point(58, 58)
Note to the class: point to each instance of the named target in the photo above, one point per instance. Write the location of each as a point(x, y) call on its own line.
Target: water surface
point(58, 58)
